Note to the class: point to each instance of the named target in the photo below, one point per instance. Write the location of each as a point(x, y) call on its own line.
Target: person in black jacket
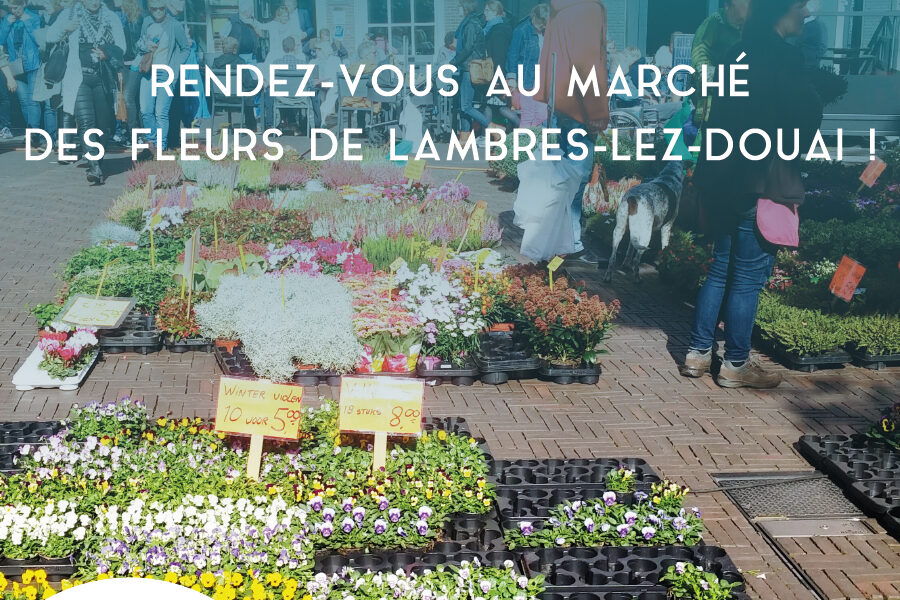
point(781, 96)
point(497, 37)
point(469, 46)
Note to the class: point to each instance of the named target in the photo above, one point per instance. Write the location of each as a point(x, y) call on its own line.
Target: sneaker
point(696, 364)
point(6, 134)
point(751, 374)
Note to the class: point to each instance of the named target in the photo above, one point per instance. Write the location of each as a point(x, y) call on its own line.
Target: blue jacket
point(525, 50)
point(24, 27)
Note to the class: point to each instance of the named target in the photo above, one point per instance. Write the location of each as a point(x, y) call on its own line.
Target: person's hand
point(11, 18)
point(11, 84)
point(595, 128)
point(71, 26)
point(303, 35)
point(152, 46)
point(99, 53)
point(511, 82)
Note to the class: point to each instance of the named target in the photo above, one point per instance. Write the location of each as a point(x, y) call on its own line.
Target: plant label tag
point(846, 279)
point(155, 220)
point(441, 257)
point(414, 169)
point(872, 172)
point(477, 215)
point(382, 404)
point(554, 264)
point(251, 407)
point(102, 312)
point(398, 262)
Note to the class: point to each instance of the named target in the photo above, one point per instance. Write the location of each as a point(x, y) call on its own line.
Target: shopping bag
point(543, 208)
point(678, 122)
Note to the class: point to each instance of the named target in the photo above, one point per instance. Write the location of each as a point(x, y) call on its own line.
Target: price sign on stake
point(872, 172)
point(383, 405)
point(414, 169)
point(259, 409)
point(476, 219)
point(102, 312)
point(552, 266)
point(846, 279)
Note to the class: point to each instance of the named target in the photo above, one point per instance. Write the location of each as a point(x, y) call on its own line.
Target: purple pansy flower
point(526, 527)
point(326, 529)
point(359, 513)
point(383, 503)
point(609, 498)
point(380, 526)
point(589, 525)
point(347, 504)
point(422, 527)
point(425, 512)
point(316, 503)
point(394, 515)
point(648, 532)
point(347, 525)
point(328, 514)
point(631, 517)
point(623, 530)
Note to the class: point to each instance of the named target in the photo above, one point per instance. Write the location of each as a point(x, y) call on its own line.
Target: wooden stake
point(379, 458)
point(216, 235)
point(254, 459)
point(152, 250)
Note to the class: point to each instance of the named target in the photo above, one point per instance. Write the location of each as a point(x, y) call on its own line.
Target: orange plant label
point(846, 278)
point(873, 171)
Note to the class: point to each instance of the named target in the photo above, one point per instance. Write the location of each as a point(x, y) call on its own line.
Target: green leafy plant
point(254, 174)
point(620, 480)
point(174, 318)
point(797, 330)
point(871, 240)
point(685, 263)
point(384, 250)
point(44, 313)
point(877, 335)
point(687, 581)
point(148, 285)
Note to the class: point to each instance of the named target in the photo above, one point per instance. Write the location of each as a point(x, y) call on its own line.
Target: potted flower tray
point(873, 361)
point(185, 344)
point(31, 376)
point(444, 372)
point(567, 374)
point(56, 569)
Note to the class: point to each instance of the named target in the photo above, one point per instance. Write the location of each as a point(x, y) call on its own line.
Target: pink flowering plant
point(66, 353)
point(324, 256)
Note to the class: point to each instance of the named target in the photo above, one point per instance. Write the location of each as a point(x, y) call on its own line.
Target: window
point(407, 25)
point(195, 17)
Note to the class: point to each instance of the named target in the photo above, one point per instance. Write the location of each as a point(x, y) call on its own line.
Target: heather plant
point(876, 335)
point(127, 201)
point(337, 174)
point(214, 199)
point(257, 201)
point(217, 174)
point(165, 174)
point(290, 174)
point(254, 174)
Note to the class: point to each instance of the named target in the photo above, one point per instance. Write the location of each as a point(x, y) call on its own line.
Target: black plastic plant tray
point(891, 522)
point(413, 560)
point(447, 373)
point(502, 353)
point(573, 569)
point(480, 532)
point(655, 592)
point(189, 345)
point(313, 377)
point(583, 472)
point(57, 569)
point(532, 503)
point(874, 362)
point(234, 363)
point(851, 458)
point(137, 333)
point(16, 433)
point(875, 497)
point(457, 425)
point(588, 375)
point(810, 364)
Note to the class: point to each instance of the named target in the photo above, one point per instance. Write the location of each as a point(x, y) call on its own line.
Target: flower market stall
point(113, 493)
point(302, 271)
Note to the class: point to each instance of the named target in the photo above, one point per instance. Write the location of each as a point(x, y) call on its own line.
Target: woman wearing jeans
point(469, 46)
point(164, 38)
point(17, 34)
point(780, 97)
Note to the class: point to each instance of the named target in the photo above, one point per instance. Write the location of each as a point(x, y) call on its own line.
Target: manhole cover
point(794, 528)
point(806, 494)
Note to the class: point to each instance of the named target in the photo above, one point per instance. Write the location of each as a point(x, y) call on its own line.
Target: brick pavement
point(687, 429)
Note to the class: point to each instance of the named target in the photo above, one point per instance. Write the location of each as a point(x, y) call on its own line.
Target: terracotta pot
point(502, 327)
point(228, 345)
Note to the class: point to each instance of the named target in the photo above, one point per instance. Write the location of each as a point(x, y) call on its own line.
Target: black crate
point(137, 333)
point(585, 472)
point(446, 373)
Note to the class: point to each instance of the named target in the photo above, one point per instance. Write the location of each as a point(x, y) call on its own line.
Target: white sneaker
point(6, 134)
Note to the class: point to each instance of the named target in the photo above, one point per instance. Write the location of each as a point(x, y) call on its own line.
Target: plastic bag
point(543, 207)
point(412, 123)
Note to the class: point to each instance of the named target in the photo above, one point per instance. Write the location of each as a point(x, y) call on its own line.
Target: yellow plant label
point(251, 407)
point(382, 404)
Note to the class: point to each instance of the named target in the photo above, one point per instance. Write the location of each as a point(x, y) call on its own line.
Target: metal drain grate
point(795, 495)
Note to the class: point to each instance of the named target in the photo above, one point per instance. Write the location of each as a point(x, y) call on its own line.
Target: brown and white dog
point(645, 208)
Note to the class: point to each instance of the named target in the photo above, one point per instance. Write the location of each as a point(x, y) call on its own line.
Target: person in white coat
point(96, 46)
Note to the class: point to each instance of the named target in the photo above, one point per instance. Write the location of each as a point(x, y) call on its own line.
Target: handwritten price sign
point(382, 404)
point(101, 312)
point(259, 408)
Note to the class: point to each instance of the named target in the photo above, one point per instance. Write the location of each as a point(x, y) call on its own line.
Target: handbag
point(481, 70)
point(778, 223)
point(57, 61)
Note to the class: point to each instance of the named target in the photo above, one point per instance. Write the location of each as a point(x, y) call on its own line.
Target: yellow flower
point(288, 594)
point(274, 579)
point(65, 584)
point(105, 441)
point(48, 591)
point(258, 591)
point(192, 430)
point(428, 494)
point(291, 583)
point(40, 576)
point(467, 493)
point(221, 436)
point(237, 579)
point(27, 576)
point(3, 582)
point(414, 500)
point(103, 576)
point(330, 492)
point(187, 580)
point(185, 422)
point(30, 592)
point(149, 435)
point(171, 577)
point(212, 447)
point(161, 421)
point(486, 502)
point(446, 493)
point(197, 588)
point(442, 435)
point(207, 579)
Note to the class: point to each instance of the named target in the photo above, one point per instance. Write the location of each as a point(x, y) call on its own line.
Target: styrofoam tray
point(31, 376)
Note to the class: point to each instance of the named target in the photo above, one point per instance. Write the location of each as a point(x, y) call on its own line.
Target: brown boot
point(751, 374)
point(696, 364)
